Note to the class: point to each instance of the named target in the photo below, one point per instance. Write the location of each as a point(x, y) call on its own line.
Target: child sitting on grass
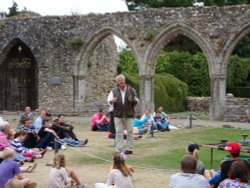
point(9, 170)
point(16, 144)
point(59, 176)
point(120, 174)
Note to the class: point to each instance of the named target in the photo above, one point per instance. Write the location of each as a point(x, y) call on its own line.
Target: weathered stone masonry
point(217, 30)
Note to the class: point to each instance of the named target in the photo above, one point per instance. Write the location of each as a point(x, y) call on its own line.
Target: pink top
point(3, 141)
point(96, 117)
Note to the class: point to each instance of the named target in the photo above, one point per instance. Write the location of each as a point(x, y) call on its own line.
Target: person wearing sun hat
point(233, 149)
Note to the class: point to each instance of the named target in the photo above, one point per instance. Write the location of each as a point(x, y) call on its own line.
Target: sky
point(66, 7)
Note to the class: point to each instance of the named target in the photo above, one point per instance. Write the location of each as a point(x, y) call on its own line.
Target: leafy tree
point(13, 11)
point(142, 4)
point(243, 48)
point(127, 62)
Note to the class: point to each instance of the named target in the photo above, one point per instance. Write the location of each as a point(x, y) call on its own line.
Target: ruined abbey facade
point(69, 62)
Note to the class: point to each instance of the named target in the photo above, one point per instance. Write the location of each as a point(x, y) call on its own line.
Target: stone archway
point(160, 41)
point(18, 77)
point(231, 44)
point(84, 65)
point(167, 35)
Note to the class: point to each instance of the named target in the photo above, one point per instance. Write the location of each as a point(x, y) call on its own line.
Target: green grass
point(164, 151)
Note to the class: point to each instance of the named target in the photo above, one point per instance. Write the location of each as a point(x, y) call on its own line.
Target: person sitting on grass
point(47, 136)
point(150, 120)
point(16, 144)
point(140, 124)
point(5, 143)
point(99, 121)
point(32, 137)
point(27, 115)
point(193, 149)
point(60, 176)
point(212, 176)
point(238, 175)
point(119, 175)
point(187, 177)
point(9, 170)
point(233, 149)
point(162, 122)
point(62, 129)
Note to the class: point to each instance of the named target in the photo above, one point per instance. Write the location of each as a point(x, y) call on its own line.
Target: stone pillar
point(218, 93)
point(146, 93)
point(79, 92)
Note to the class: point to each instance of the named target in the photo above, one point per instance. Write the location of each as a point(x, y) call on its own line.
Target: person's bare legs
point(74, 177)
point(209, 173)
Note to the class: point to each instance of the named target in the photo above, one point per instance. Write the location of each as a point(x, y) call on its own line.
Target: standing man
point(123, 98)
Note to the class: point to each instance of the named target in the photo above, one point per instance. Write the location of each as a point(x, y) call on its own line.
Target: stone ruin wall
point(48, 37)
point(234, 107)
point(102, 69)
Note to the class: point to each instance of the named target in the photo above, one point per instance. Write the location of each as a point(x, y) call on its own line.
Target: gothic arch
point(168, 34)
point(18, 77)
point(92, 42)
point(232, 42)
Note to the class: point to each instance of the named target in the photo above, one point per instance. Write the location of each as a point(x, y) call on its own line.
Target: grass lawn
point(164, 151)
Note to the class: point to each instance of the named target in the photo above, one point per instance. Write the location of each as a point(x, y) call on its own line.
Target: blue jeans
point(103, 127)
point(70, 141)
point(19, 157)
point(46, 141)
point(162, 125)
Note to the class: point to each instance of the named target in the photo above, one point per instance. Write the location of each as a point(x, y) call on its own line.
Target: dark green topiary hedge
point(240, 91)
point(170, 92)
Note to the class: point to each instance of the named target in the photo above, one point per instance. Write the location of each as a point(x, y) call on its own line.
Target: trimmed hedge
point(243, 92)
point(170, 92)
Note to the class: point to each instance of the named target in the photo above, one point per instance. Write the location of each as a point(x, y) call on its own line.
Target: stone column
point(79, 92)
point(218, 93)
point(146, 93)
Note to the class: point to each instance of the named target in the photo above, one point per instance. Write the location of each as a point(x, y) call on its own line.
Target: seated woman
point(120, 175)
point(60, 176)
point(4, 142)
point(9, 169)
point(150, 120)
point(99, 121)
point(238, 175)
point(140, 124)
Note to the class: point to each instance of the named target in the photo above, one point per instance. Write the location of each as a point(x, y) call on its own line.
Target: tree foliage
point(13, 11)
point(191, 69)
point(170, 92)
point(142, 4)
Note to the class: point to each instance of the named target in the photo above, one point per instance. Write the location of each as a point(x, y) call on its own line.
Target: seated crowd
point(146, 123)
point(17, 147)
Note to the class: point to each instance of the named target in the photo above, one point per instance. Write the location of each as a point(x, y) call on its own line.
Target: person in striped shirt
point(16, 144)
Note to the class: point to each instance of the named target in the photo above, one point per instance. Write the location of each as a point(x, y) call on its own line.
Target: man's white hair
point(120, 77)
point(3, 125)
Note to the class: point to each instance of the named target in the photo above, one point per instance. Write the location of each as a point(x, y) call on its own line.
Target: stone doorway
point(18, 78)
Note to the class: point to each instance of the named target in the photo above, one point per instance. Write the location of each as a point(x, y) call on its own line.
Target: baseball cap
point(232, 147)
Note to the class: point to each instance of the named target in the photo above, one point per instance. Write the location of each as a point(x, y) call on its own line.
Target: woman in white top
point(59, 176)
point(119, 176)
